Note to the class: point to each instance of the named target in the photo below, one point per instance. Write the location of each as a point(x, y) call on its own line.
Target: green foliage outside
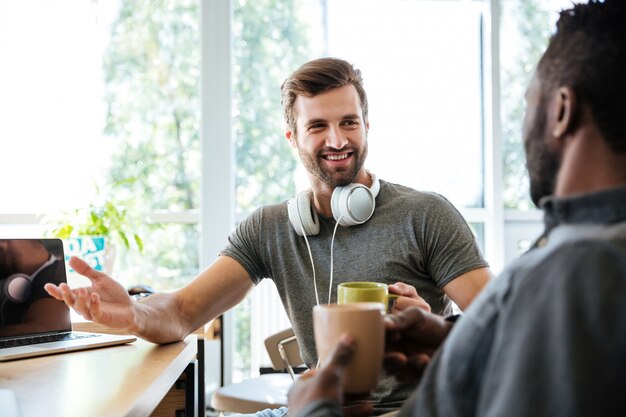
point(152, 69)
point(110, 220)
point(533, 30)
point(269, 42)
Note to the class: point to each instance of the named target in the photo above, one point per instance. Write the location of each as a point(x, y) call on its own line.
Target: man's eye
point(316, 126)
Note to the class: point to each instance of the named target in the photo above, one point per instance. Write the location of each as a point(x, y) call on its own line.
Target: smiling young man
point(416, 242)
point(413, 237)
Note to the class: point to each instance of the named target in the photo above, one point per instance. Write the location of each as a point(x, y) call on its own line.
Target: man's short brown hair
point(318, 76)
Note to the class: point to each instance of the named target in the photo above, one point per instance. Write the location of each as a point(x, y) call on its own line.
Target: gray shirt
point(413, 237)
point(548, 337)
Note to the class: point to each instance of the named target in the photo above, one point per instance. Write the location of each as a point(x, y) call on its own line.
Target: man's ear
point(563, 111)
point(291, 137)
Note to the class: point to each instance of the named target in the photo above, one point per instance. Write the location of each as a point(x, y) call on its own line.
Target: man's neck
point(589, 165)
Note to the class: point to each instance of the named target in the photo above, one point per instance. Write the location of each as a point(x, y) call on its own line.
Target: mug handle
point(391, 302)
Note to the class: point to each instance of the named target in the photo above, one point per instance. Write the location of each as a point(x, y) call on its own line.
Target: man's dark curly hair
point(588, 54)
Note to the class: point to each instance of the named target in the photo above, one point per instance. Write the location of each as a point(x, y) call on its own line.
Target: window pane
point(151, 83)
point(269, 40)
point(99, 108)
point(51, 109)
point(421, 63)
point(525, 27)
point(169, 260)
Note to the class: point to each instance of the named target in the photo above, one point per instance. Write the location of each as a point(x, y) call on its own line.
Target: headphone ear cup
point(302, 215)
point(353, 204)
point(17, 288)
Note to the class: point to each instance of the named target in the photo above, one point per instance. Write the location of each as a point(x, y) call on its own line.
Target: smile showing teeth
point(337, 157)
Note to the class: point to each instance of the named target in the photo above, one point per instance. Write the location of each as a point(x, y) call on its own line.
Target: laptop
point(32, 323)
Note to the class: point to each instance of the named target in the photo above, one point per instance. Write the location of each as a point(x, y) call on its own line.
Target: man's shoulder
point(583, 269)
point(270, 210)
point(394, 191)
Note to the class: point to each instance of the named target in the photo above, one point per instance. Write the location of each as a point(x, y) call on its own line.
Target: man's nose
point(336, 138)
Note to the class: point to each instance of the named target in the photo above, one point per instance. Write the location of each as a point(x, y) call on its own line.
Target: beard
point(542, 163)
point(335, 177)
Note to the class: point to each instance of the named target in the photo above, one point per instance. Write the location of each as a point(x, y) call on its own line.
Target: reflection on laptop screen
point(25, 307)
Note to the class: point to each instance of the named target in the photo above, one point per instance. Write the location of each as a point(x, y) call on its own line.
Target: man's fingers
point(360, 409)
point(343, 351)
point(84, 269)
point(404, 303)
point(393, 361)
point(403, 289)
point(96, 308)
point(66, 294)
point(411, 317)
point(82, 303)
point(340, 356)
point(54, 291)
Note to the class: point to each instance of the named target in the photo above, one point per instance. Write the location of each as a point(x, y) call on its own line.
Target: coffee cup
point(364, 322)
point(359, 292)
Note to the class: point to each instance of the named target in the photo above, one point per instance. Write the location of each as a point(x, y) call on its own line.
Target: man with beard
point(548, 337)
point(416, 242)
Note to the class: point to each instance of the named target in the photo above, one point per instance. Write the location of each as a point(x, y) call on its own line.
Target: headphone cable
point(317, 299)
point(332, 242)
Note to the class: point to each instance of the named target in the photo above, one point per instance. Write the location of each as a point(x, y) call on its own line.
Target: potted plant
point(96, 231)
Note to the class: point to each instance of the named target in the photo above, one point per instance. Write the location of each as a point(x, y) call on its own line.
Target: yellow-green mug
point(364, 292)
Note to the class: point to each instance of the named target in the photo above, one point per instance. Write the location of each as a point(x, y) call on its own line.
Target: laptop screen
point(25, 307)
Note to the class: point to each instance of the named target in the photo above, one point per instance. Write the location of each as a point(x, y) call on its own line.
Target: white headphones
point(351, 205)
point(17, 287)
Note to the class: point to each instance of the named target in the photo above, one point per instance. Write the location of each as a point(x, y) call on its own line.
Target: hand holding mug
point(395, 297)
point(326, 383)
point(412, 336)
point(364, 323)
point(407, 297)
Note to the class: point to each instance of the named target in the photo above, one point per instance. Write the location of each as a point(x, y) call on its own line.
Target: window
point(100, 104)
point(525, 27)
point(101, 101)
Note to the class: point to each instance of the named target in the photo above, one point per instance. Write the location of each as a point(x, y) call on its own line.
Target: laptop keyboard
point(33, 340)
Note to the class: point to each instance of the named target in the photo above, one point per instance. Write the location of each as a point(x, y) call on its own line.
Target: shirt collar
point(607, 206)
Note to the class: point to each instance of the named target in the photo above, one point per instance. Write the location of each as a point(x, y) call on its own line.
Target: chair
point(268, 390)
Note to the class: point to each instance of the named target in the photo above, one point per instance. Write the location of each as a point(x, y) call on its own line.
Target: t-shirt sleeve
point(244, 244)
point(449, 244)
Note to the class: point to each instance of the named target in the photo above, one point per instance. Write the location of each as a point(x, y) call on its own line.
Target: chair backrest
point(283, 350)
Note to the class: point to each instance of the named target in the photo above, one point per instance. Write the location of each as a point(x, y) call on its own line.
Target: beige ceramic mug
point(364, 322)
point(358, 292)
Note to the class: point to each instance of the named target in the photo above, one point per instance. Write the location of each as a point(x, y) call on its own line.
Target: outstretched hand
point(412, 336)
point(326, 383)
point(106, 301)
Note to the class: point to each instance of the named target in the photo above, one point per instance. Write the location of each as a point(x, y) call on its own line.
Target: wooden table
point(129, 380)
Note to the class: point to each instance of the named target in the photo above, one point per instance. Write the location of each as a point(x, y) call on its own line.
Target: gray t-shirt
point(548, 336)
point(413, 237)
